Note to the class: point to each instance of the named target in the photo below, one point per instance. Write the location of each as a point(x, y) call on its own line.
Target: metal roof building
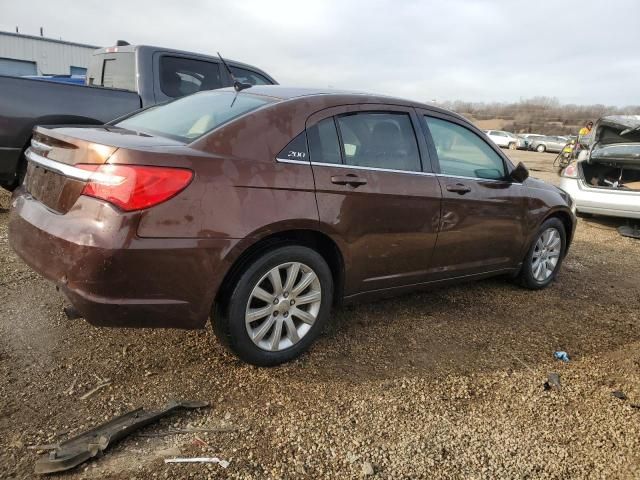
point(31, 55)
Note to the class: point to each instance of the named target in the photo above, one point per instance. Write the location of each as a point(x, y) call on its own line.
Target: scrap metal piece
point(81, 448)
point(629, 231)
point(553, 381)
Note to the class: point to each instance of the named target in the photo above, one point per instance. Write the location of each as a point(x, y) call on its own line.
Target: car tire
point(535, 273)
point(512, 146)
point(281, 330)
point(541, 149)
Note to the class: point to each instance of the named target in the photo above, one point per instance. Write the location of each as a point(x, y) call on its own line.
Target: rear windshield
point(113, 70)
point(190, 117)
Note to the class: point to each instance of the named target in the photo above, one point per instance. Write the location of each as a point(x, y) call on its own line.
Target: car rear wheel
point(545, 255)
point(512, 146)
point(541, 148)
point(277, 307)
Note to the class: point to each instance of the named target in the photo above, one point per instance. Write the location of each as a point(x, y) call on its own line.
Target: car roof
point(285, 93)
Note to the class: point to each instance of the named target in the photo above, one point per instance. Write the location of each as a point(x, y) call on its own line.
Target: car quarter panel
point(238, 187)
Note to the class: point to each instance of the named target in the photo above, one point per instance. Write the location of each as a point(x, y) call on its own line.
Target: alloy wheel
point(546, 254)
point(283, 306)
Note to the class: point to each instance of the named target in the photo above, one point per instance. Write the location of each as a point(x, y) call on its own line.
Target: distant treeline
point(544, 115)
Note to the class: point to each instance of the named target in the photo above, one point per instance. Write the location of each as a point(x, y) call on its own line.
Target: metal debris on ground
point(222, 463)
point(79, 449)
point(553, 381)
point(564, 356)
point(629, 231)
point(619, 394)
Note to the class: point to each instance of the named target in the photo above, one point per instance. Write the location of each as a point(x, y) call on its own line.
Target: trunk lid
point(616, 141)
point(52, 177)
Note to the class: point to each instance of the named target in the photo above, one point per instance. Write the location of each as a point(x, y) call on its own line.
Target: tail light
point(134, 187)
point(571, 171)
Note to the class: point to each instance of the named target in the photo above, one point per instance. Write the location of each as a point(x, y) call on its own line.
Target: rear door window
point(323, 142)
point(379, 140)
point(462, 153)
point(181, 76)
point(249, 76)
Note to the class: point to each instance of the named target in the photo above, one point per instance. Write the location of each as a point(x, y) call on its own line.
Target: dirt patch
point(443, 384)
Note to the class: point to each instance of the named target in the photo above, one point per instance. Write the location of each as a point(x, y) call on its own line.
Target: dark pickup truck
point(120, 80)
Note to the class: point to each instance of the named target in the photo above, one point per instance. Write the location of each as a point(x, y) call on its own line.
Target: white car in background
point(606, 179)
point(503, 139)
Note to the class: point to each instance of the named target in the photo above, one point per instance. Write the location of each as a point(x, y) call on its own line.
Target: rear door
point(376, 191)
point(482, 212)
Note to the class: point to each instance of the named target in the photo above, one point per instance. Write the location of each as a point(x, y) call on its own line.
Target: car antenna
point(238, 86)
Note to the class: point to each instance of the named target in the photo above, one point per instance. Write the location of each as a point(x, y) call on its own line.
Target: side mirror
point(520, 173)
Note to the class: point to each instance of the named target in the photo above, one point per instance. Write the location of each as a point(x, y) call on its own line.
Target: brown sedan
point(264, 208)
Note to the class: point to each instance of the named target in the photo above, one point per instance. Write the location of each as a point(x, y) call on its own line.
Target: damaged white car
point(607, 180)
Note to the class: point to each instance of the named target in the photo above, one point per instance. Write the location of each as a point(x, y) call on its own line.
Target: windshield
point(190, 117)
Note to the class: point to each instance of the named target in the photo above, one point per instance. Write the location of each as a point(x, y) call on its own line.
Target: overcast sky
point(579, 51)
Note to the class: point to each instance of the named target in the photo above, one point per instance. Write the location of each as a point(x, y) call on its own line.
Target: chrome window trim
point(376, 169)
point(373, 169)
point(58, 167)
point(355, 167)
point(478, 178)
point(297, 162)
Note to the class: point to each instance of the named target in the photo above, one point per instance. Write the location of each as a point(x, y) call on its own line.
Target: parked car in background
point(548, 144)
point(503, 139)
point(120, 80)
point(607, 180)
point(268, 206)
point(525, 139)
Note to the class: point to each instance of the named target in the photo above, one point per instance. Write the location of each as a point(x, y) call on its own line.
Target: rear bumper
point(112, 276)
point(602, 201)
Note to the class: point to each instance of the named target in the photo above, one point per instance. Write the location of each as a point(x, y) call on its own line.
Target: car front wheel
point(541, 148)
point(277, 307)
point(545, 255)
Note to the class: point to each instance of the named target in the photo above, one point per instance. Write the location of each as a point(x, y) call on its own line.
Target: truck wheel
point(277, 306)
point(545, 255)
point(541, 148)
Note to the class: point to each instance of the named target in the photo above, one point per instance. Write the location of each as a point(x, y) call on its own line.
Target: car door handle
point(351, 180)
point(458, 188)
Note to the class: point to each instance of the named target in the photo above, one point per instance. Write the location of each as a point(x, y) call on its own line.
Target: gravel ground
point(444, 384)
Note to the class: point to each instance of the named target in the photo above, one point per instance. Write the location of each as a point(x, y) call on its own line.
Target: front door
point(376, 191)
point(482, 210)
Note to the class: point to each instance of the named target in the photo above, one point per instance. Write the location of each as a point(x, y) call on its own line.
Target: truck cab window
point(183, 76)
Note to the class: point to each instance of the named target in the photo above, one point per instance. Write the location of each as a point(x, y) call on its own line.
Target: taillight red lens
point(134, 187)
point(571, 171)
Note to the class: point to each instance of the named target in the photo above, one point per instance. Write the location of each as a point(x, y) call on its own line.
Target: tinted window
point(248, 76)
point(117, 72)
point(379, 140)
point(296, 149)
point(184, 76)
point(463, 153)
point(190, 117)
point(323, 142)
